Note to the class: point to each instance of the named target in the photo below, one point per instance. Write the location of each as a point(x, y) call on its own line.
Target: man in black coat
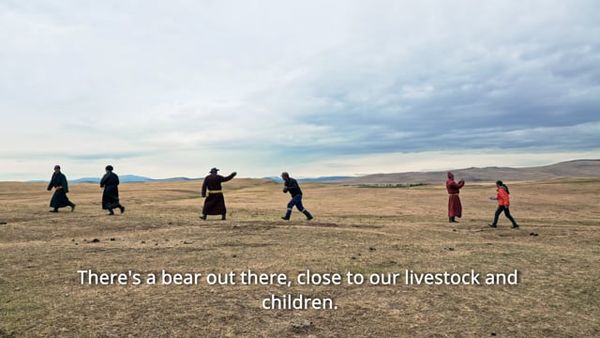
point(61, 188)
point(110, 196)
point(214, 204)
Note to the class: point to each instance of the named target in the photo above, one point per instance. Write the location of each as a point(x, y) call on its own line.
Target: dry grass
point(559, 293)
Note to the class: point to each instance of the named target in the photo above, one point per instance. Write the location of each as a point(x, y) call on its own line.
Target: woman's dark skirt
point(110, 198)
point(59, 199)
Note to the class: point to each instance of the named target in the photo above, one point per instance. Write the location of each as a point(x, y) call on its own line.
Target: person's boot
point(110, 212)
point(73, 207)
point(307, 214)
point(515, 226)
point(203, 216)
point(122, 209)
point(54, 210)
point(287, 216)
point(492, 225)
point(223, 217)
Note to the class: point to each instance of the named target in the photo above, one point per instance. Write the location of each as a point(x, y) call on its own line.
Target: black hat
point(109, 167)
point(56, 167)
point(213, 170)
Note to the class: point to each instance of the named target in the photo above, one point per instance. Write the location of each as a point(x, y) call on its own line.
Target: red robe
point(454, 206)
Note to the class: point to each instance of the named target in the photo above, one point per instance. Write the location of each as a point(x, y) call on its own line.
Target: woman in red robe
point(454, 206)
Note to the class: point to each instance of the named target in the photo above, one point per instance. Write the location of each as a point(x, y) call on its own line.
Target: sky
point(316, 88)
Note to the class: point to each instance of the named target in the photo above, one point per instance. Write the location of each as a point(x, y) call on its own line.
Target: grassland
point(358, 229)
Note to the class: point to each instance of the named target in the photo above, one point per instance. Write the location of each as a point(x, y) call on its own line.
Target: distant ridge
point(322, 179)
point(575, 168)
point(132, 179)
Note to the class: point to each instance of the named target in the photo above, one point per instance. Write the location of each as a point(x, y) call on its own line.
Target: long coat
point(59, 198)
point(214, 204)
point(110, 196)
point(454, 205)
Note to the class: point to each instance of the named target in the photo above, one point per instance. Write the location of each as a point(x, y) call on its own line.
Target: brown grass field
point(365, 230)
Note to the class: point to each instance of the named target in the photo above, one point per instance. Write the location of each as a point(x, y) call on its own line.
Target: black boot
point(122, 208)
point(54, 210)
point(287, 216)
point(307, 214)
point(223, 217)
point(203, 216)
point(72, 207)
point(110, 212)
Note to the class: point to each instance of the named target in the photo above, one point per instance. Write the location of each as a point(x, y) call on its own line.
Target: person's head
point(450, 175)
point(285, 175)
point(57, 168)
point(109, 168)
point(214, 171)
point(499, 184)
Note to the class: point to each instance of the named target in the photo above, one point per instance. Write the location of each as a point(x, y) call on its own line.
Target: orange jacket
point(503, 197)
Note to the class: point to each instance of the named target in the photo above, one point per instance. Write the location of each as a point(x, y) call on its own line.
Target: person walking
point(110, 195)
point(503, 198)
point(291, 185)
point(61, 188)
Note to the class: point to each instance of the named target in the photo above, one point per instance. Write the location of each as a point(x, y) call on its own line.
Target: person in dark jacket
point(110, 196)
point(214, 204)
point(503, 198)
point(291, 185)
point(61, 188)
point(454, 205)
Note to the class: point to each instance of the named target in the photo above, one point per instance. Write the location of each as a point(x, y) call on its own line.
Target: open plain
point(359, 229)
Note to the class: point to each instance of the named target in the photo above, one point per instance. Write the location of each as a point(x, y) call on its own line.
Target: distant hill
point(576, 168)
point(132, 179)
point(322, 179)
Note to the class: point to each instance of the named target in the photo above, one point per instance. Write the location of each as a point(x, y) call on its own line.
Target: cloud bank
point(174, 88)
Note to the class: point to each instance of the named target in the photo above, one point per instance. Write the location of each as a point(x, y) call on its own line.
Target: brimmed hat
point(213, 170)
point(109, 167)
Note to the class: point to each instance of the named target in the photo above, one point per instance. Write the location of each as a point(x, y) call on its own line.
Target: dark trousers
point(500, 209)
point(296, 201)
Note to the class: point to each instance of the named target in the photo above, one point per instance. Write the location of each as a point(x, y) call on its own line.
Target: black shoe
point(73, 207)
point(223, 218)
point(122, 209)
point(55, 210)
point(515, 226)
point(307, 214)
point(203, 217)
point(285, 218)
point(492, 226)
point(110, 212)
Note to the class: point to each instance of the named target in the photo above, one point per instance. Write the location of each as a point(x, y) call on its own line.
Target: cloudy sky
point(172, 88)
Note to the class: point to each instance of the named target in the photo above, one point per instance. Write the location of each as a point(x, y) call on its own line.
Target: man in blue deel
point(291, 186)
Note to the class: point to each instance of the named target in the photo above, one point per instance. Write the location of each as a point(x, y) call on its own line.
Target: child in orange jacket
point(503, 198)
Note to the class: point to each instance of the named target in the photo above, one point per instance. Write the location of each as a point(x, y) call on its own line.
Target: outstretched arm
point(230, 177)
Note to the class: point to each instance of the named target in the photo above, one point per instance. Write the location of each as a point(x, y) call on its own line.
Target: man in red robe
point(214, 204)
point(454, 206)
